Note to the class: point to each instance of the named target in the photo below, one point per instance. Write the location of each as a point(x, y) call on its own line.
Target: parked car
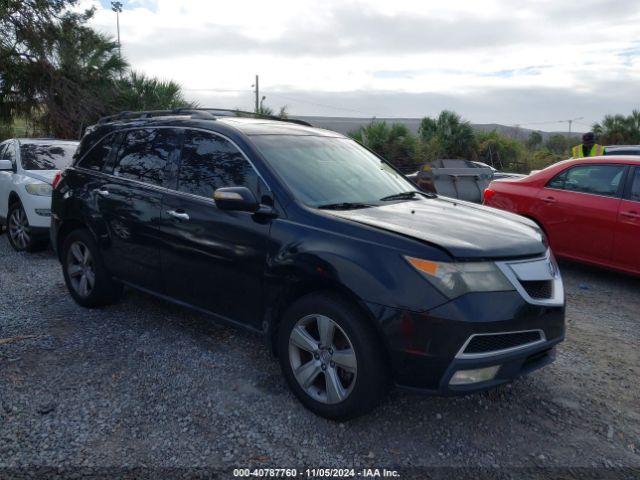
point(356, 279)
point(588, 207)
point(622, 150)
point(27, 168)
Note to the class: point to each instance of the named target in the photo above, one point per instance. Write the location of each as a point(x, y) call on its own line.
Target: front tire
point(331, 357)
point(21, 236)
point(85, 274)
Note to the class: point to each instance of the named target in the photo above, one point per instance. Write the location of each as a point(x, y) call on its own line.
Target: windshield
point(324, 171)
point(42, 156)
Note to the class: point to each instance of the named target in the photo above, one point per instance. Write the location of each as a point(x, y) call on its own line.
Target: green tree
point(87, 68)
point(502, 152)
point(618, 129)
point(540, 159)
point(393, 142)
point(6, 130)
point(53, 69)
point(269, 112)
point(450, 134)
point(534, 141)
point(60, 76)
point(140, 92)
point(557, 144)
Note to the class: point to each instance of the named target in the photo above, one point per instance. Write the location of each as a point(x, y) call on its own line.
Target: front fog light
point(465, 377)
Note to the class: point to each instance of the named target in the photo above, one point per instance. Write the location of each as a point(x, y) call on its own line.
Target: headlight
point(40, 189)
point(455, 279)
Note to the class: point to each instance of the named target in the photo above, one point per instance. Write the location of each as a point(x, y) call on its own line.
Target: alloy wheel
point(80, 268)
point(19, 228)
point(322, 359)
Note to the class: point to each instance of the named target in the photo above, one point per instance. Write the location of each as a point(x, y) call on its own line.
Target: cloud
point(498, 60)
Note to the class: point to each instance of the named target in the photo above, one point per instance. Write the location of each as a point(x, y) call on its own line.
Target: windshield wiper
point(344, 206)
point(400, 196)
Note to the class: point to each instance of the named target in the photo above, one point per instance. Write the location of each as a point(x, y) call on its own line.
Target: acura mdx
point(357, 280)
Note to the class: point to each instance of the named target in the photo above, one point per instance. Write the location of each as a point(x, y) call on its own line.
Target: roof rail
point(152, 113)
point(225, 112)
point(202, 113)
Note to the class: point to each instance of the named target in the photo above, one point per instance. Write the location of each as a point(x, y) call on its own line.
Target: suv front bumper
point(425, 347)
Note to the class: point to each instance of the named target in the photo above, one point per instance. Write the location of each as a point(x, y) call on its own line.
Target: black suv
point(357, 280)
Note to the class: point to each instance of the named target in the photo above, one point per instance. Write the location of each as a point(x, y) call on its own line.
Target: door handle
point(178, 215)
point(102, 192)
point(631, 214)
point(549, 200)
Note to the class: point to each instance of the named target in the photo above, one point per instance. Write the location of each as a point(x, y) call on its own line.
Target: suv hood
point(464, 229)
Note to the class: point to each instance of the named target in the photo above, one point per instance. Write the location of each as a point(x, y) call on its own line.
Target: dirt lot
point(146, 383)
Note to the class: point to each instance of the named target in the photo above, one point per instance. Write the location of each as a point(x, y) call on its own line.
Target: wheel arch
point(13, 198)
point(295, 291)
point(65, 229)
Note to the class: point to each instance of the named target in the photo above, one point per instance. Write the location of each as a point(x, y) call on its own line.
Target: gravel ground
point(146, 383)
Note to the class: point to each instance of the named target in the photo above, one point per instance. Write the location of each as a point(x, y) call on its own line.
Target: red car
point(588, 207)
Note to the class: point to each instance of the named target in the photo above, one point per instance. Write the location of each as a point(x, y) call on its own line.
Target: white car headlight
point(40, 189)
point(457, 278)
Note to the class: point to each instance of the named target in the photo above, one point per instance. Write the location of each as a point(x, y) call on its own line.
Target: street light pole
point(117, 8)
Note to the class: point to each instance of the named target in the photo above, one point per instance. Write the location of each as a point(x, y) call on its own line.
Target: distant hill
point(345, 125)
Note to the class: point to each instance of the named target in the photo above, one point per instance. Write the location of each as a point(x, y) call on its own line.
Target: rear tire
point(331, 357)
point(85, 274)
point(21, 236)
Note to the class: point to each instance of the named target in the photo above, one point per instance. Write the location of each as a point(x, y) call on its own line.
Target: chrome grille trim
point(467, 356)
point(541, 268)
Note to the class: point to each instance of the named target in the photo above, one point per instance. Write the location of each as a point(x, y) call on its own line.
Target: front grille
point(538, 289)
point(500, 341)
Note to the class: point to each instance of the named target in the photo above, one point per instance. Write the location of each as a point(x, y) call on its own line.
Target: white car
point(27, 169)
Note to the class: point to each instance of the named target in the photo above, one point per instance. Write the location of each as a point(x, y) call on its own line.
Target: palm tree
point(395, 143)
point(618, 129)
point(140, 92)
point(453, 136)
point(79, 87)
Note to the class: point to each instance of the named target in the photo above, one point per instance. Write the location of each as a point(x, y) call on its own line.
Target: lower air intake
point(479, 344)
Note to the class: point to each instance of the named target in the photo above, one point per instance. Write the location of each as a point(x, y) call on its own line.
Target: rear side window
point(98, 156)
point(596, 179)
point(145, 155)
point(210, 162)
point(634, 194)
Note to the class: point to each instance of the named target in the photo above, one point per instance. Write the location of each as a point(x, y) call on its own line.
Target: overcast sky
point(531, 63)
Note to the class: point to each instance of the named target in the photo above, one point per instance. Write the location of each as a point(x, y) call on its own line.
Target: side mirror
point(6, 165)
point(238, 199)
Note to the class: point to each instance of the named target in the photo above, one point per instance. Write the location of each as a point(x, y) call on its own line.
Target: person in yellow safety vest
point(588, 147)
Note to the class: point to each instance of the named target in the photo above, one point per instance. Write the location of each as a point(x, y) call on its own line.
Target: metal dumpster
point(455, 178)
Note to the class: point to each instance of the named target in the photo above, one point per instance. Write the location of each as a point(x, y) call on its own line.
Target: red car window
point(635, 186)
point(594, 179)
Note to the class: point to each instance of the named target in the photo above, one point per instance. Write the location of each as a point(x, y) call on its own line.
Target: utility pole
point(117, 8)
point(570, 121)
point(257, 87)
